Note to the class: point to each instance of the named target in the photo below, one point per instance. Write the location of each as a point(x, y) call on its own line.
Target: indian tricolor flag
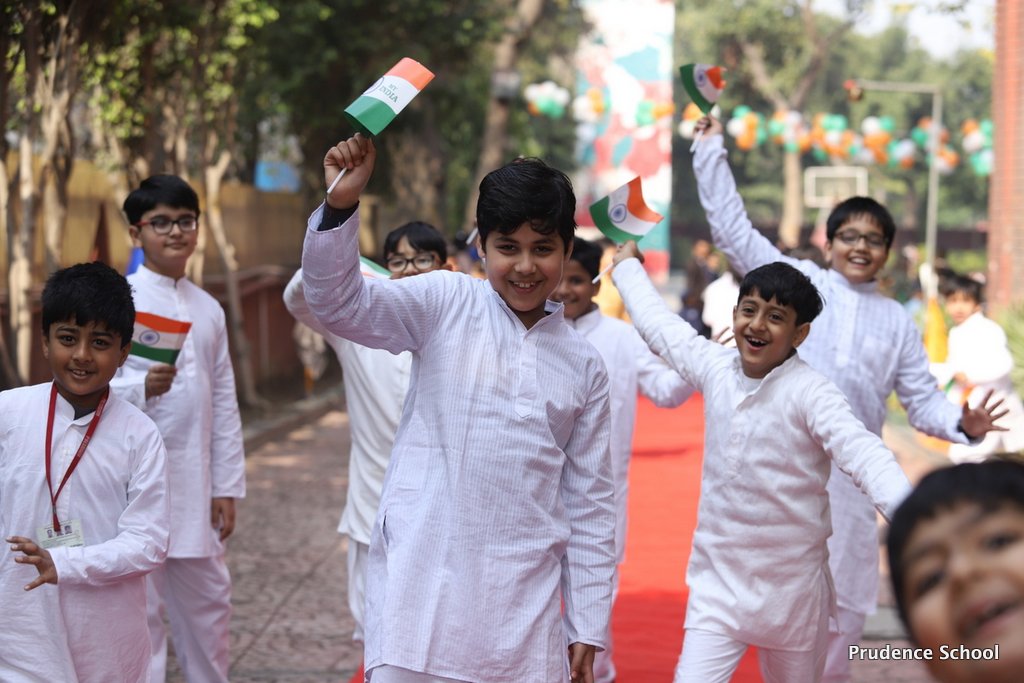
point(703, 83)
point(380, 104)
point(623, 215)
point(370, 269)
point(158, 338)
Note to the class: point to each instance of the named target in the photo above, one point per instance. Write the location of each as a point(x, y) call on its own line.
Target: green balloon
point(887, 123)
point(741, 110)
point(776, 127)
point(920, 136)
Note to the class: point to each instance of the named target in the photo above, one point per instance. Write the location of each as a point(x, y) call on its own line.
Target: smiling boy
point(83, 497)
point(864, 342)
point(632, 368)
point(758, 572)
point(956, 554)
point(497, 506)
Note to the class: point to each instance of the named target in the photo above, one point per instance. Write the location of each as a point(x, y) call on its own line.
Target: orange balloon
point(907, 162)
point(692, 112)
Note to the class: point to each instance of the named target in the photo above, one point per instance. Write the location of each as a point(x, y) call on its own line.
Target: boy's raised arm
point(396, 315)
point(657, 380)
point(731, 229)
point(666, 333)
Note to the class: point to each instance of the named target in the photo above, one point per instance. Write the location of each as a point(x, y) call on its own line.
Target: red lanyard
point(78, 455)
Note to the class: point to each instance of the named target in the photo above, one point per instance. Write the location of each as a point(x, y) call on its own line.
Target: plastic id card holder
point(69, 535)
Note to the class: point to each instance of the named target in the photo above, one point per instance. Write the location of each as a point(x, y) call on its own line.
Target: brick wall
point(1006, 195)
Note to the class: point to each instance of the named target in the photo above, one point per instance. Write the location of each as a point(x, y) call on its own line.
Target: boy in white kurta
point(193, 402)
point(631, 368)
point(376, 383)
point(758, 571)
point(978, 362)
point(864, 342)
point(73, 589)
point(497, 505)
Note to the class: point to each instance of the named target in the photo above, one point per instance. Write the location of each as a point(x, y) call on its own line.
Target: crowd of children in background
point(486, 519)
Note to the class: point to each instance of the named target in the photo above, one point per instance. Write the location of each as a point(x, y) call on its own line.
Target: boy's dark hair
point(89, 293)
point(961, 284)
point(853, 207)
point(527, 190)
point(422, 237)
point(160, 189)
point(991, 485)
point(788, 286)
point(588, 254)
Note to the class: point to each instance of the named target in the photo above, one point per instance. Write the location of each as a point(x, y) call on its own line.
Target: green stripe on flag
point(599, 212)
point(369, 115)
point(152, 353)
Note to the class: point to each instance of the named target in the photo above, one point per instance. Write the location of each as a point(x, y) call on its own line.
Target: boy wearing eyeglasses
point(376, 382)
point(193, 402)
point(865, 343)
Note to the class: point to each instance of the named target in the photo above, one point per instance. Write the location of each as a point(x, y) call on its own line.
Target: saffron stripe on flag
point(412, 71)
point(162, 324)
point(636, 205)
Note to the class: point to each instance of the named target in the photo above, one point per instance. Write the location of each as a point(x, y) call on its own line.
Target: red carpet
point(664, 489)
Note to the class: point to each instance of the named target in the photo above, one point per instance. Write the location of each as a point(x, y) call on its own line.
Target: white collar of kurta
point(780, 370)
point(553, 309)
point(66, 410)
point(862, 288)
point(588, 321)
point(145, 273)
point(973, 319)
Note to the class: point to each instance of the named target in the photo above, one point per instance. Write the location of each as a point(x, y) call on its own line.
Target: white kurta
point(864, 342)
point(759, 567)
point(498, 500)
point(198, 417)
point(631, 366)
point(91, 626)
point(978, 349)
point(376, 382)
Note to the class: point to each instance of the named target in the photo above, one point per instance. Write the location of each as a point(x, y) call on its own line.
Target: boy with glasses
point(194, 404)
point(376, 382)
point(865, 343)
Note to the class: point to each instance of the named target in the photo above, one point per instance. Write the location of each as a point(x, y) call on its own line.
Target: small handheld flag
point(623, 215)
point(158, 338)
point(380, 104)
point(704, 84)
point(370, 269)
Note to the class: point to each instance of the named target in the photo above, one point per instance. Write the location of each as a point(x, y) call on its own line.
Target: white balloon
point(686, 129)
point(735, 127)
point(871, 125)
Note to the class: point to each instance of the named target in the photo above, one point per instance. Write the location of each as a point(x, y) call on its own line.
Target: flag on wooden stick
point(158, 338)
point(380, 104)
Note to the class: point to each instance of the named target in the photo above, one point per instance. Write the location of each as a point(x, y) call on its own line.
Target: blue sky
point(939, 33)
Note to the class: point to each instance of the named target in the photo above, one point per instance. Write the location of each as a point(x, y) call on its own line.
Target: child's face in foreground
point(524, 267)
point(83, 359)
point(964, 585)
point(165, 254)
point(766, 333)
point(575, 291)
point(961, 307)
point(858, 262)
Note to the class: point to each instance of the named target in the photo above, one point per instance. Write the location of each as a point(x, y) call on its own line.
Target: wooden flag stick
point(341, 175)
point(601, 274)
point(696, 139)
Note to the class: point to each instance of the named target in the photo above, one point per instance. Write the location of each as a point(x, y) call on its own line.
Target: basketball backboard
point(826, 186)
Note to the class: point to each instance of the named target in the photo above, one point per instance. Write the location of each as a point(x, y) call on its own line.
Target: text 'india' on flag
point(158, 338)
point(623, 215)
point(380, 104)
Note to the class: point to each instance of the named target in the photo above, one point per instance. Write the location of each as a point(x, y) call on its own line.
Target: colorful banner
point(623, 109)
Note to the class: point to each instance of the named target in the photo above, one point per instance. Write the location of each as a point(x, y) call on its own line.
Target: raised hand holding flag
point(372, 111)
point(704, 84)
point(624, 215)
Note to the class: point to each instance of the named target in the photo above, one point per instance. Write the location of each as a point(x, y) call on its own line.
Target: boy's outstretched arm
point(396, 315)
point(731, 229)
point(667, 335)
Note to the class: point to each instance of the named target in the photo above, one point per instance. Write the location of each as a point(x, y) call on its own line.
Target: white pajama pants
point(851, 629)
point(356, 562)
point(712, 658)
point(195, 593)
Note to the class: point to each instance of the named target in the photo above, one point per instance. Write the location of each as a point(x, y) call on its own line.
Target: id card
point(69, 535)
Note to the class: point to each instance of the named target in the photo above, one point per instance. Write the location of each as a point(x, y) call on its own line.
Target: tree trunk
point(19, 273)
point(495, 135)
point(792, 200)
point(214, 174)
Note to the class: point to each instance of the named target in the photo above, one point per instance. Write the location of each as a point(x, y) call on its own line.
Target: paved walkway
point(291, 621)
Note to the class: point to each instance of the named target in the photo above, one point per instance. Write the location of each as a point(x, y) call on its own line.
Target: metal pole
point(931, 218)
